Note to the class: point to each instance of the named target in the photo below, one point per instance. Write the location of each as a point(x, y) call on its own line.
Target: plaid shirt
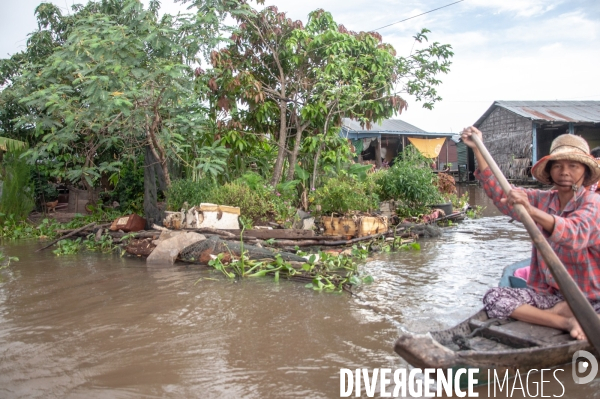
point(575, 238)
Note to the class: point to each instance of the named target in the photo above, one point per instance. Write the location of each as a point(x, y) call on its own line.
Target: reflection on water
point(104, 326)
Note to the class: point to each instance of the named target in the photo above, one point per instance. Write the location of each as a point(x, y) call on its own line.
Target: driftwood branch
point(87, 226)
point(218, 232)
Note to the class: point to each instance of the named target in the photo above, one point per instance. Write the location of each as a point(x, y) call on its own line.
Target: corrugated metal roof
point(352, 130)
point(387, 126)
point(550, 111)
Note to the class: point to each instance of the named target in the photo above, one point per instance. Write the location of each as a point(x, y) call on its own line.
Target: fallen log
point(289, 234)
point(154, 234)
point(203, 251)
point(307, 243)
point(67, 235)
point(228, 233)
point(78, 230)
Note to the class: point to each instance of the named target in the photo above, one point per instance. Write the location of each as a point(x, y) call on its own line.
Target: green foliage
point(257, 200)
point(475, 213)
point(457, 202)
point(187, 190)
point(342, 195)
point(10, 145)
point(71, 247)
point(104, 244)
point(282, 207)
point(129, 188)
point(67, 247)
point(411, 181)
point(330, 273)
point(5, 261)
point(308, 77)
point(102, 82)
point(17, 189)
point(44, 190)
point(95, 85)
point(334, 272)
point(211, 162)
point(99, 214)
point(285, 212)
point(14, 229)
point(255, 181)
point(254, 205)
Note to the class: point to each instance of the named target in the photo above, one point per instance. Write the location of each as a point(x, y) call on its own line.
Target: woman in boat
point(569, 217)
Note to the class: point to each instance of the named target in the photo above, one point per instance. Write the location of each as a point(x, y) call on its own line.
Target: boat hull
point(494, 349)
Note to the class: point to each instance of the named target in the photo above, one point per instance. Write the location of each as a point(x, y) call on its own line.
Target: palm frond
point(7, 144)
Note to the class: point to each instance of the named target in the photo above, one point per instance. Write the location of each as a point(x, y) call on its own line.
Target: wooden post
point(378, 153)
point(447, 145)
point(534, 154)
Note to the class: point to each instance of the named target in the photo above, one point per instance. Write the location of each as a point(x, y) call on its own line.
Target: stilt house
point(382, 142)
point(518, 133)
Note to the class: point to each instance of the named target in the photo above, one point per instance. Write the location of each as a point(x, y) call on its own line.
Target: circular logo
point(580, 366)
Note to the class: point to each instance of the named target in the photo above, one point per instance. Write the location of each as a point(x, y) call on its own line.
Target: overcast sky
point(504, 49)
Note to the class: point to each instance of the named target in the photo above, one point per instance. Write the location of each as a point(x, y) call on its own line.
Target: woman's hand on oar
point(465, 135)
point(469, 142)
point(518, 196)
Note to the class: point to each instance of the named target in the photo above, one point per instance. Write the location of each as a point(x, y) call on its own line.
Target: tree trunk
point(315, 167)
point(295, 151)
point(157, 150)
point(378, 153)
point(153, 214)
point(278, 169)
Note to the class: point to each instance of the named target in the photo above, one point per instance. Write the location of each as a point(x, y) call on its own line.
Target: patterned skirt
point(500, 302)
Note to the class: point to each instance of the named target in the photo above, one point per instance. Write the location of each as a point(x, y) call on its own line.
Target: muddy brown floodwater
point(102, 326)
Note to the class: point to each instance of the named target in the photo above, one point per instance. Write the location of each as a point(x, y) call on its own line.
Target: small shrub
point(194, 192)
point(254, 205)
point(411, 182)
point(344, 194)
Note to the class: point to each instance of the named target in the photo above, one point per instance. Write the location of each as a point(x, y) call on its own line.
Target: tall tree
point(303, 79)
point(114, 78)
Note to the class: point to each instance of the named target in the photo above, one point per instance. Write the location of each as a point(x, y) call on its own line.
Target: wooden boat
point(489, 345)
point(509, 280)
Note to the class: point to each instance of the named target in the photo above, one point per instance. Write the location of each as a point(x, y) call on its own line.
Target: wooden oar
point(582, 309)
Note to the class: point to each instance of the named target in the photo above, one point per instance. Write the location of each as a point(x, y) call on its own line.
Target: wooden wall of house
point(508, 137)
point(590, 132)
point(450, 146)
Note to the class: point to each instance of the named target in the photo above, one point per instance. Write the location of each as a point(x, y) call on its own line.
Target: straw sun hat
point(572, 148)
